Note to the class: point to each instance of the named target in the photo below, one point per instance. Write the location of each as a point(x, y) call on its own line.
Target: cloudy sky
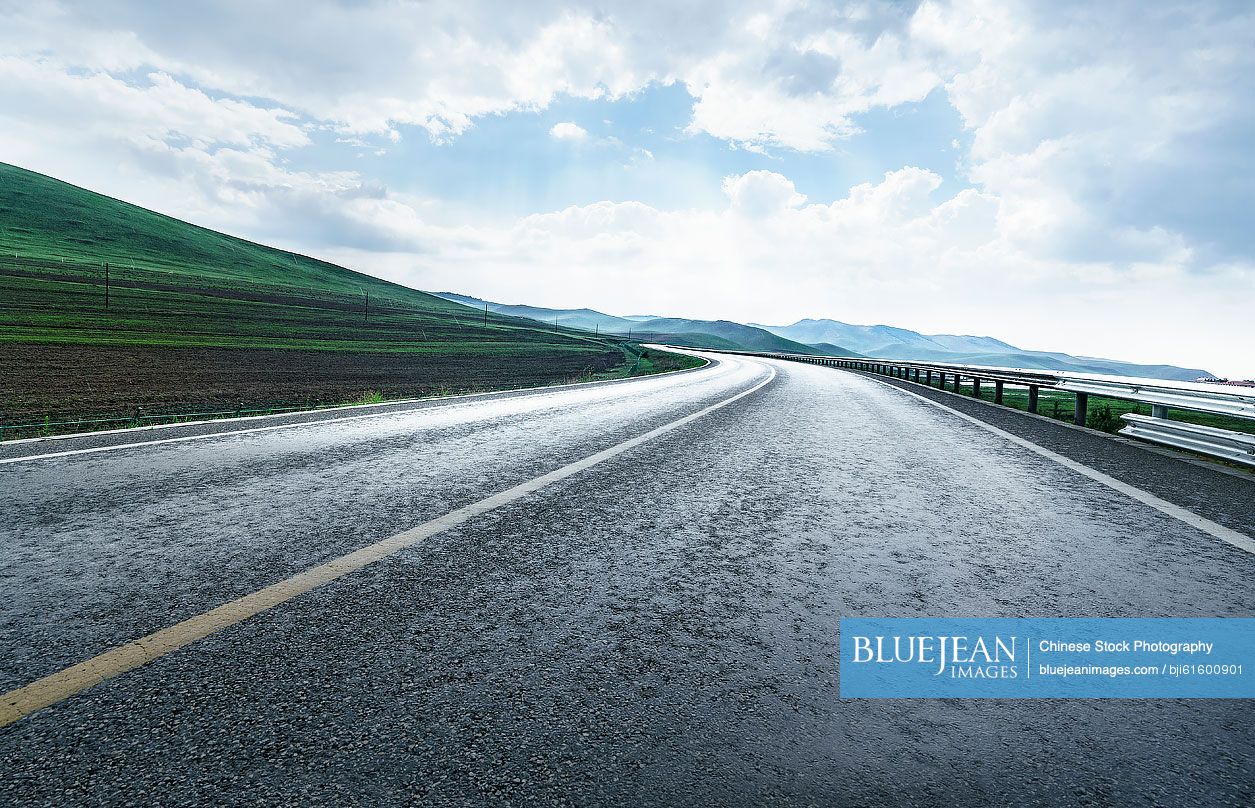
point(1074, 177)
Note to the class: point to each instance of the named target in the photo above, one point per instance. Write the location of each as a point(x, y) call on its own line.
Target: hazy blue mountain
point(828, 349)
point(692, 340)
point(587, 319)
point(747, 337)
point(721, 334)
point(876, 340)
point(833, 338)
point(964, 343)
point(889, 342)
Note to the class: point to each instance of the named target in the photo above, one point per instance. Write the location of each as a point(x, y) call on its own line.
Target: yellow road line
point(19, 703)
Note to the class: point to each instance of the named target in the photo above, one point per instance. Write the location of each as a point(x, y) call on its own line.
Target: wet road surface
point(660, 628)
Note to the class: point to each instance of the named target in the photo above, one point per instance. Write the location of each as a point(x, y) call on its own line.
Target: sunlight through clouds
point(1098, 164)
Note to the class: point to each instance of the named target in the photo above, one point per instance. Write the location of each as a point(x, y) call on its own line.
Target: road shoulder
point(1225, 496)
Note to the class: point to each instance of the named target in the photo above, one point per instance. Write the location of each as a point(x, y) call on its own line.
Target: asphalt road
point(657, 628)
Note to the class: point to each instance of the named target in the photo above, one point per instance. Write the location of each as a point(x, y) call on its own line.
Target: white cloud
point(1109, 150)
point(568, 131)
point(159, 108)
point(791, 77)
point(761, 193)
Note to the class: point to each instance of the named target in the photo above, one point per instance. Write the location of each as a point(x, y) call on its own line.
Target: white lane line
point(19, 703)
point(1225, 534)
point(433, 402)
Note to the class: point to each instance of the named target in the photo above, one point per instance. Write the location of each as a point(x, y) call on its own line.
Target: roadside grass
point(645, 361)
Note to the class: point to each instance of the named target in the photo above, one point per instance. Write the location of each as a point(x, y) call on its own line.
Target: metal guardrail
point(1161, 395)
point(1236, 447)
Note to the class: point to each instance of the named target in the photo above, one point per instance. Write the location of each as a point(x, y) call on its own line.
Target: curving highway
point(625, 592)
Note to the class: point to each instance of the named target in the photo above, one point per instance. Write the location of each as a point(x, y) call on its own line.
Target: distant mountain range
point(722, 334)
point(831, 337)
point(887, 342)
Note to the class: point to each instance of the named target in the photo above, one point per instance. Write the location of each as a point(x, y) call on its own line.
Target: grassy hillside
point(190, 316)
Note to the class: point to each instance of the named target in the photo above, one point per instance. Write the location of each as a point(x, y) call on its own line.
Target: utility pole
point(485, 315)
point(366, 295)
point(106, 285)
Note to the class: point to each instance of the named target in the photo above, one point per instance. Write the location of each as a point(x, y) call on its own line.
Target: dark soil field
point(62, 382)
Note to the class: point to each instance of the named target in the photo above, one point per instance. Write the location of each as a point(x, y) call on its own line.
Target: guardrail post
point(928, 378)
point(1082, 407)
point(1158, 411)
point(1032, 398)
point(975, 387)
point(956, 382)
point(997, 391)
point(942, 378)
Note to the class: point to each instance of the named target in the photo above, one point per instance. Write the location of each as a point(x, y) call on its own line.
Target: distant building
point(1230, 382)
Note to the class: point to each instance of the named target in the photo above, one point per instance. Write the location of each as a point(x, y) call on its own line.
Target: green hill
point(55, 239)
point(186, 317)
point(745, 337)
